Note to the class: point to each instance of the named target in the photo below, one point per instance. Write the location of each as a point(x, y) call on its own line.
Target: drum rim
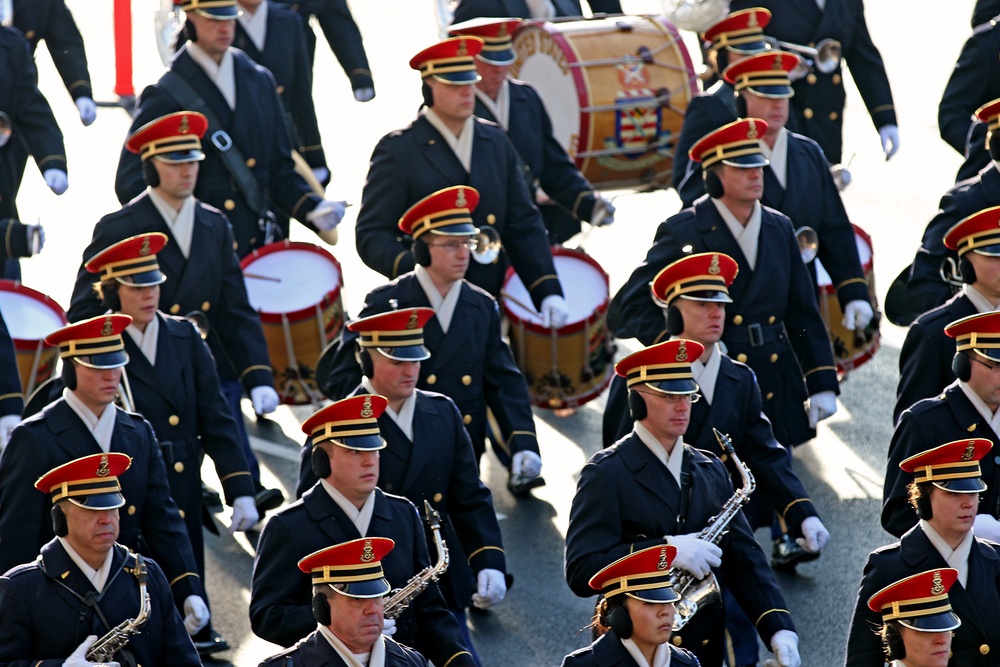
point(17, 287)
point(329, 298)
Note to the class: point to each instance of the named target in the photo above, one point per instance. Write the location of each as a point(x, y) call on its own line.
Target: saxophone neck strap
point(686, 490)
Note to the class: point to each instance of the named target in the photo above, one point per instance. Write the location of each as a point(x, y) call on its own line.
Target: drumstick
point(505, 294)
point(260, 277)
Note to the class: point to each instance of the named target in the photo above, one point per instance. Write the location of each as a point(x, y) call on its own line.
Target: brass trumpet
point(823, 58)
point(488, 245)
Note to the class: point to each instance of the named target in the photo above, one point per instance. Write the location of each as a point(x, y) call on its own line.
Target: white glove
point(364, 94)
point(264, 399)
point(857, 314)
point(388, 627)
point(7, 424)
point(694, 554)
point(987, 527)
point(526, 463)
point(36, 238)
point(327, 215)
point(889, 135)
point(491, 588)
point(56, 179)
point(814, 535)
point(321, 174)
point(603, 213)
point(555, 314)
point(196, 614)
point(821, 405)
point(88, 110)
point(785, 646)
point(78, 657)
point(245, 514)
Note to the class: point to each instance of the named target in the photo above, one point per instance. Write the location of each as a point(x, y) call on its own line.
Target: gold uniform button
point(466, 380)
point(205, 305)
point(774, 357)
point(179, 467)
point(173, 420)
point(491, 219)
point(984, 649)
point(833, 115)
point(738, 320)
point(742, 358)
point(808, 113)
point(771, 319)
point(770, 395)
point(811, 79)
point(467, 419)
point(251, 162)
point(438, 497)
point(836, 79)
point(678, 641)
point(30, 34)
point(431, 142)
point(131, 510)
point(431, 379)
point(174, 309)
point(229, 204)
point(181, 512)
point(280, 89)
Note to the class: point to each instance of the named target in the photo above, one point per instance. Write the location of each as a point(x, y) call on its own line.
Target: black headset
point(637, 405)
point(421, 252)
point(965, 267)
point(675, 321)
point(321, 609)
point(713, 184)
point(615, 617)
point(319, 461)
point(68, 375)
point(993, 147)
point(59, 525)
point(109, 294)
point(364, 358)
point(922, 506)
point(427, 94)
point(149, 173)
point(895, 649)
point(961, 366)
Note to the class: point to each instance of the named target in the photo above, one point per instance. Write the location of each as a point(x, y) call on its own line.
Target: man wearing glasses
point(967, 409)
point(651, 488)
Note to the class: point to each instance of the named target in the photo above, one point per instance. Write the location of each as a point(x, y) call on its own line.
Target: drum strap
point(231, 157)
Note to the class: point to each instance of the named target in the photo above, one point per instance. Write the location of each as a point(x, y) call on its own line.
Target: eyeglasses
point(975, 357)
point(451, 247)
point(675, 398)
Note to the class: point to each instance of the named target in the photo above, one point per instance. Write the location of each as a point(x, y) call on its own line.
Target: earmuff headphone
point(993, 147)
point(741, 105)
point(364, 358)
point(922, 507)
point(421, 253)
point(616, 617)
point(713, 184)
point(109, 295)
point(895, 649)
point(68, 375)
point(427, 94)
point(961, 366)
point(321, 609)
point(319, 461)
point(637, 405)
point(149, 173)
point(966, 268)
point(675, 321)
point(59, 525)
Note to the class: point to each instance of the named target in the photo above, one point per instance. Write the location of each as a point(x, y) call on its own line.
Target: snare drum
point(850, 349)
point(296, 289)
point(616, 90)
point(566, 367)
point(30, 317)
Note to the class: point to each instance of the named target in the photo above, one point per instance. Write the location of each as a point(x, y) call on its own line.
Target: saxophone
point(696, 593)
point(105, 648)
point(400, 599)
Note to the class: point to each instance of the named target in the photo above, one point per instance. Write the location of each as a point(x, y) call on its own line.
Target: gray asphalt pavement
point(541, 620)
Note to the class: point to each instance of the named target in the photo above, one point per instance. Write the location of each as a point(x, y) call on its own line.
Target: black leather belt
point(178, 450)
point(756, 334)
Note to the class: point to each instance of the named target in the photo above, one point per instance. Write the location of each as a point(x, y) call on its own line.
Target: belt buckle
point(222, 140)
point(756, 334)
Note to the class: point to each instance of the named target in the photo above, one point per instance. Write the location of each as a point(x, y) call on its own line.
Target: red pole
point(123, 49)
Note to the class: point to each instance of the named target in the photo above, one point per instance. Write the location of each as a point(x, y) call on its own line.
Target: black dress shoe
point(521, 485)
point(267, 500)
point(787, 554)
point(208, 641)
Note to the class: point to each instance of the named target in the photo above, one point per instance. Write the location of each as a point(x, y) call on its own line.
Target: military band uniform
point(209, 280)
point(150, 522)
point(975, 603)
point(267, 153)
point(51, 21)
point(545, 161)
point(284, 55)
point(280, 595)
point(974, 81)
point(470, 9)
point(472, 364)
point(49, 607)
point(317, 650)
point(409, 164)
point(984, 10)
point(705, 113)
point(926, 356)
point(627, 500)
point(34, 126)
point(818, 105)
point(927, 424)
point(342, 34)
point(609, 650)
point(181, 398)
point(773, 305)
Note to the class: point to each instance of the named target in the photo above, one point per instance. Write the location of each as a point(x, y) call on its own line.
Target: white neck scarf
point(672, 460)
point(376, 658)
point(500, 108)
point(977, 298)
point(706, 374)
point(255, 24)
point(993, 419)
point(460, 145)
point(778, 156)
point(223, 74)
point(146, 340)
point(404, 418)
point(99, 577)
point(180, 222)
point(102, 428)
point(661, 657)
point(746, 236)
point(359, 517)
point(958, 557)
point(444, 306)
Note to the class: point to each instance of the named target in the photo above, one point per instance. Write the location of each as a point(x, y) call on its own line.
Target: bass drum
point(296, 289)
point(616, 89)
point(850, 348)
point(566, 367)
point(30, 316)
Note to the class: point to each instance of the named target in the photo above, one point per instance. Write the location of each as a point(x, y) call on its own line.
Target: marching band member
point(83, 421)
point(945, 494)
point(651, 488)
point(345, 504)
point(348, 587)
point(636, 612)
point(84, 582)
